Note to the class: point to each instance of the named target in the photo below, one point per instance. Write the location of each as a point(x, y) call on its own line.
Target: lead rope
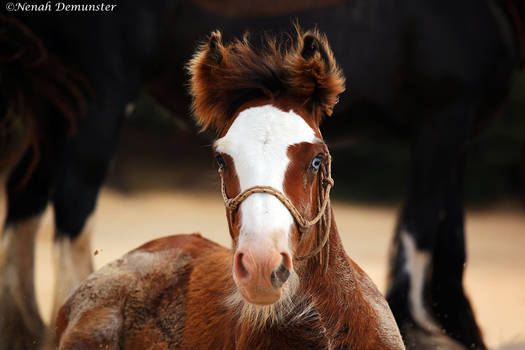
point(323, 219)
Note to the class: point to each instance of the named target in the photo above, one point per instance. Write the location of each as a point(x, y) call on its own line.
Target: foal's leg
point(425, 289)
point(20, 324)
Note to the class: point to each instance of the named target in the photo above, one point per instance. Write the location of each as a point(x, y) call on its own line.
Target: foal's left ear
point(314, 73)
point(312, 46)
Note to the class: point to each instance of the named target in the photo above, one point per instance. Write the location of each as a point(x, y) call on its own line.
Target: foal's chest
point(306, 332)
point(275, 337)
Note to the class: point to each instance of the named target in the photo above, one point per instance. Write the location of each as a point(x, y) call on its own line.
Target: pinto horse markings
point(257, 143)
point(180, 291)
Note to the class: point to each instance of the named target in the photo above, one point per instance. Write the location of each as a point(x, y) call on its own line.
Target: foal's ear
point(215, 47)
point(314, 73)
point(311, 46)
point(205, 74)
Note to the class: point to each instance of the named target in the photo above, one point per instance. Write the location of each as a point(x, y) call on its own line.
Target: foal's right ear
point(215, 47)
point(206, 71)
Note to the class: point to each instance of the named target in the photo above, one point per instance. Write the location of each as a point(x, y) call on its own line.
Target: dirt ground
point(495, 274)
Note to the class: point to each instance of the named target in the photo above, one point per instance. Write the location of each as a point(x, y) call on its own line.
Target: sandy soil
point(495, 275)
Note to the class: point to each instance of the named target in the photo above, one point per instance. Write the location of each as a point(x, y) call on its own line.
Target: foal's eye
point(316, 162)
point(220, 161)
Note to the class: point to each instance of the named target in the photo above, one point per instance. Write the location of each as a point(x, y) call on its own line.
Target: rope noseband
point(323, 219)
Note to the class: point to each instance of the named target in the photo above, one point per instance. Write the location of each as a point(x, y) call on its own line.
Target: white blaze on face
point(258, 142)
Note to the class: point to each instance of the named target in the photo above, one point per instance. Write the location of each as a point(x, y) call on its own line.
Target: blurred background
point(163, 181)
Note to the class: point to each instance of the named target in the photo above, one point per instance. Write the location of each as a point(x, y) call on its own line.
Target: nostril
point(280, 275)
point(240, 270)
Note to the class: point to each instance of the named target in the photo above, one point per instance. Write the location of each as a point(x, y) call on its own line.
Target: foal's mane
point(225, 76)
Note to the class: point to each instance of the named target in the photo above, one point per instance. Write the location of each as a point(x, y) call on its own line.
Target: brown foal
point(287, 282)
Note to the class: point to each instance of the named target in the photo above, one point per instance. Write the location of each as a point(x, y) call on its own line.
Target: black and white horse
point(429, 70)
point(68, 77)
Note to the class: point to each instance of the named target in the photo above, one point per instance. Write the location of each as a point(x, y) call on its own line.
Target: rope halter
point(323, 219)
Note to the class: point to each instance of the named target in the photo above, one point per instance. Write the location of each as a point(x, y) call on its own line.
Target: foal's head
point(266, 104)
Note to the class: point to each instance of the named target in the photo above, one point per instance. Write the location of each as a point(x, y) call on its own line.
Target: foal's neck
point(338, 261)
point(341, 295)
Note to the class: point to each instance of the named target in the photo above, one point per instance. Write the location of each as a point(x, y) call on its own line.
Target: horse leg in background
point(450, 304)
point(3, 201)
point(21, 326)
point(522, 175)
point(425, 290)
point(87, 160)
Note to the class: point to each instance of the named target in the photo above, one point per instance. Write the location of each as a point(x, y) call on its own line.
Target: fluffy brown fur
point(223, 77)
point(176, 293)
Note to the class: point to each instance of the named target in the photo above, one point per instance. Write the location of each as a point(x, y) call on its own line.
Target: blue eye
point(317, 161)
point(220, 161)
